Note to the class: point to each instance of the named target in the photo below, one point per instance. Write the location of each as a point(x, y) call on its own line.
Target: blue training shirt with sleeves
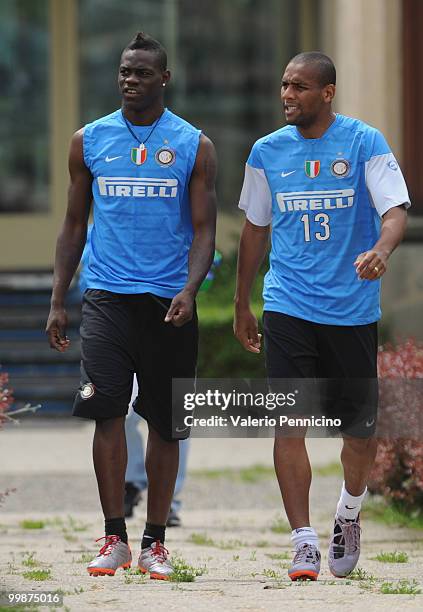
point(324, 198)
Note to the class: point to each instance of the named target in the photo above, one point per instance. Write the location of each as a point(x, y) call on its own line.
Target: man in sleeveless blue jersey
point(334, 196)
point(151, 177)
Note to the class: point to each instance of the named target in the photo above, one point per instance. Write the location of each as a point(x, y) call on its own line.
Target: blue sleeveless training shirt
point(142, 216)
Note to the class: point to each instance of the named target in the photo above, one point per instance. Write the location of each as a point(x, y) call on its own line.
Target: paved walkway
point(232, 528)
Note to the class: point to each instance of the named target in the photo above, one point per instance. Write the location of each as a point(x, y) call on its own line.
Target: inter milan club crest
point(340, 168)
point(165, 156)
point(312, 168)
point(139, 154)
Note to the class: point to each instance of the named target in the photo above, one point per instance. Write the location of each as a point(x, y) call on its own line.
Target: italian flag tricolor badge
point(139, 154)
point(312, 168)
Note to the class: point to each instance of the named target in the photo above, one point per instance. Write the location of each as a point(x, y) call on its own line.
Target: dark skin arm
point(253, 246)
point(203, 214)
point(70, 242)
point(394, 223)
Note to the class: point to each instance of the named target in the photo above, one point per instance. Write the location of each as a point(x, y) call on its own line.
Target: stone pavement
point(233, 529)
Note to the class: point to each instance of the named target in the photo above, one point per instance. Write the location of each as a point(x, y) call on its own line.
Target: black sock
point(116, 526)
point(153, 533)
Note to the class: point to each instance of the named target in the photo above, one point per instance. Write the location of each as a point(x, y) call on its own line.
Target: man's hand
point(371, 265)
point(56, 329)
point(246, 330)
point(181, 309)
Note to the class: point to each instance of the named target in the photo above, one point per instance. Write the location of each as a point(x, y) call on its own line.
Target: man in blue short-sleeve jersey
point(151, 177)
point(333, 194)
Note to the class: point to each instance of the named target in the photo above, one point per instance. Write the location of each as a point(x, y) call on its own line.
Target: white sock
point(304, 535)
point(349, 506)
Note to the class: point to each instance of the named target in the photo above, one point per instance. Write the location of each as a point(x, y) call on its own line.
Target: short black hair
point(324, 66)
point(142, 40)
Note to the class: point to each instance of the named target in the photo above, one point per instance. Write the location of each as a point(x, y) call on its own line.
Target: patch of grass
point(391, 557)
point(31, 524)
point(201, 539)
point(84, 558)
point(253, 555)
point(75, 525)
point(360, 574)
point(283, 556)
point(401, 587)
point(134, 576)
point(235, 558)
point(331, 469)
point(255, 473)
point(279, 525)
point(30, 560)
point(185, 572)
point(68, 537)
point(393, 515)
point(37, 574)
point(261, 544)
point(271, 573)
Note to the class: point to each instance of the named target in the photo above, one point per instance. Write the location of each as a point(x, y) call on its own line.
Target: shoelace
point(159, 551)
point(111, 541)
point(305, 553)
point(351, 533)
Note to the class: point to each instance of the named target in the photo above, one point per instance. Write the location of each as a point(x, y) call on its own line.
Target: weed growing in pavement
point(84, 558)
point(183, 572)
point(391, 515)
point(31, 524)
point(235, 558)
point(401, 587)
point(271, 573)
point(391, 557)
point(283, 556)
point(253, 556)
point(331, 469)
point(201, 539)
point(30, 560)
point(37, 574)
point(360, 574)
point(261, 544)
point(134, 576)
point(255, 473)
point(279, 525)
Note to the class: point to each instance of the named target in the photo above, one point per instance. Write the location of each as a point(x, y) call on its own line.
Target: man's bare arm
point(70, 242)
point(253, 246)
point(203, 214)
point(373, 264)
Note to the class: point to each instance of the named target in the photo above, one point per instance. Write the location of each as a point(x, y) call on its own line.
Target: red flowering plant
point(6, 414)
point(398, 470)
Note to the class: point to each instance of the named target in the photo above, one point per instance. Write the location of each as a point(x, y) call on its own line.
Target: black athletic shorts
point(342, 358)
point(126, 334)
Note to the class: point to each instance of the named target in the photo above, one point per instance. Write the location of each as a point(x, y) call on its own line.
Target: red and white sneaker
point(154, 560)
point(112, 555)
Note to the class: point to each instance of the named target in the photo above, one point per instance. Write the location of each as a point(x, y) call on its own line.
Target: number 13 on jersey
point(324, 230)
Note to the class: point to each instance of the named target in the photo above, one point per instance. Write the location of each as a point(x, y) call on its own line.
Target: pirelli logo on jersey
point(129, 187)
point(315, 200)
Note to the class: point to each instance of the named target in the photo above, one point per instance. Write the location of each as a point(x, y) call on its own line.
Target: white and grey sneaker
point(112, 555)
point(154, 561)
point(306, 563)
point(344, 548)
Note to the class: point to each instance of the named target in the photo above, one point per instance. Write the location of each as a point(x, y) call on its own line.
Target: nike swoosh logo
point(348, 507)
point(180, 429)
point(109, 159)
point(284, 174)
point(370, 422)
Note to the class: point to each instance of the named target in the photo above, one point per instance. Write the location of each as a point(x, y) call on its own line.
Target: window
point(24, 129)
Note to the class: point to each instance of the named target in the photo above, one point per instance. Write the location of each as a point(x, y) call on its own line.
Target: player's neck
point(145, 116)
point(319, 128)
